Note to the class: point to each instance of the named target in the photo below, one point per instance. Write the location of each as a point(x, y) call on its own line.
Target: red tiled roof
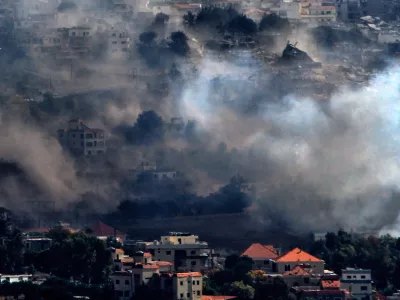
point(119, 251)
point(323, 8)
point(147, 254)
point(162, 263)
point(101, 229)
point(325, 292)
point(189, 274)
point(127, 260)
point(217, 297)
point(187, 6)
point(255, 10)
point(297, 271)
point(330, 284)
point(258, 251)
point(297, 255)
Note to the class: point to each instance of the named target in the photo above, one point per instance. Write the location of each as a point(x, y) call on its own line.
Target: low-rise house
point(262, 255)
point(15, 278)
point(299, 276)
point(123, 284)
point(295, 257)
point(358, 282)
point(38, 243)
point(103, 231)
point(312, 293)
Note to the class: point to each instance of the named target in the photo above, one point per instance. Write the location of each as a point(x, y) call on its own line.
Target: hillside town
point(199, 149)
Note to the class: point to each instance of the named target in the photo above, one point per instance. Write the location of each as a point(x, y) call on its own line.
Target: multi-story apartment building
point(184, 250)
point(358, 282)
point(80, 139)
point(317, 12)
point(187, 286)
point(119, 43)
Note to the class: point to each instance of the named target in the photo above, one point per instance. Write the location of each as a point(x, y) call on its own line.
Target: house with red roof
point(300, 276)
point(103, 231)
point(295, 257)
point(262, 255)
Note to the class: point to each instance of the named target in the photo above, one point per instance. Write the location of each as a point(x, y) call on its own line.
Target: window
point(126, 282)
point(364, 288)
point(198, 293)
point(181, 296)
point(117, 281)
point(329, 12)
point(123, 42)
point(362, 276)
point(193, 252)
point(348, 277)
point(193, 263)
point(198, 282)
point(188, 295)
point(181, 283)
point(266, 262)
point(194, 282)
point(114, 42)
point(89, 144)
point(287, 267)
point(179, 241)
point(82, 136)
point(73, 33)
point(114, 34)
point(168, 252)
point(354, 276)
point(89, 135)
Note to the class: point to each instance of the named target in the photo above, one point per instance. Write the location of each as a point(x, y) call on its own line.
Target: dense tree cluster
point(381, 255)
point(158, 53)
point(238, 279)
point(273, 22)
point(55, 288)
point(73, 255)
point(171, 202)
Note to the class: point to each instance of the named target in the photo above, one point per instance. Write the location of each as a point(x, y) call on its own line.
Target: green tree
point(241, 291)
point(178, 43)
point(273, 22)
point(147, 37)
point(242, 24)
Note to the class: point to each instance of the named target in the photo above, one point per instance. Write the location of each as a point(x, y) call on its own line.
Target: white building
point(119, 43)
point(184, 250)
point(187, 286)
point(358, 282)
point(15, 278)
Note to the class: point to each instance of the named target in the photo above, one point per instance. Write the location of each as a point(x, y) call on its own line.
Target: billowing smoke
point(331, 164)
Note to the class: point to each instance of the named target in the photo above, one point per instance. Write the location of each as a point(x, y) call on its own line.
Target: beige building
point(119, 43)
point(80, 139)
point(316, 12)
point(183, 250)
point(295, 257)
point(123, 284)
point(187, 286)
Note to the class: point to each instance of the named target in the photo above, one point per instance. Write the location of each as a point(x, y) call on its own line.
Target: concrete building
point(295, 257)
point(262, 255)
point(316, 13)
point(184, 250)
point(119, 43)
point(15, 278)
point(38, 243)
point(358, 282)
point(311, 293)
point(123, 284)
point(150, 171)
point(187, 286)
point(80, 139)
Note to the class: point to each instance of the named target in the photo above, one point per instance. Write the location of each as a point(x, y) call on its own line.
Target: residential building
point(262, 255)
point(315, 13)
point(188, 286)
point(38, 243)
point(103, 231)
point(15, 278)
point(80, 139)
point(119, 43)
point(299, 276)
point(319, 236)
point(184, 250)
point(358, 282)
point(123, 284)
point(295, 257)
point(149, 172)
point(221, 297)
point(312, 293)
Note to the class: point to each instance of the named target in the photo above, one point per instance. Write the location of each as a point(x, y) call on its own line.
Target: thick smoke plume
point(331, 164)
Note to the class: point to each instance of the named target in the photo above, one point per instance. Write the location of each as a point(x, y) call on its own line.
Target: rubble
point(292, 54)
